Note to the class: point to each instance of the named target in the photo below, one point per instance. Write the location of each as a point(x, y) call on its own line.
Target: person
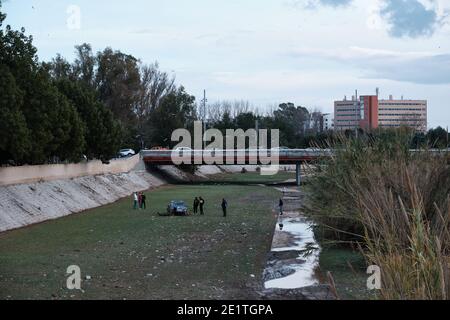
point(140, 200)
point(143, 198)
point(281, 204)
point(196, 203)
point(224, 207)
point(135, 198)
point(201, 203)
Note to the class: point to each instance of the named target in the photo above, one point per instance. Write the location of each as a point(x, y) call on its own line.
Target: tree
point(84, 65)
point(118, 84)
point(437, 138)
point(52, 123)
point(59, 68)
point(225, 123)
point(102, 132)
point(246, 121)
point(155, 85)
point(14, 134)
point(176, 111)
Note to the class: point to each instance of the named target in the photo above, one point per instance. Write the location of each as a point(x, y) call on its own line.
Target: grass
point(133, 254)
point(348, 268)
point(253, 178)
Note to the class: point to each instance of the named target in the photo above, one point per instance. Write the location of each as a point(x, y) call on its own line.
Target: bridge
point(237, 157)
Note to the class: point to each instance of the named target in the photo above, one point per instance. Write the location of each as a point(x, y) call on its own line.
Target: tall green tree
point(55, 125)
point(52, 123)
point(437, 138)
point(102, 132)
point(118, 84)
point(14, 134)
point(85, 65)
point(176, 111)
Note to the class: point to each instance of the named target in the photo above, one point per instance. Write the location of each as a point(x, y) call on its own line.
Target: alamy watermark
point(73, 281)
point(374, 281)
point(236, 152)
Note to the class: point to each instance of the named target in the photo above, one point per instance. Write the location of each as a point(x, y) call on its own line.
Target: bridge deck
point(235, 157)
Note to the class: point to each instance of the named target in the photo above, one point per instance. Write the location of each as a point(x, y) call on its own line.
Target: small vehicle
point(126, 153)
point(177, 208)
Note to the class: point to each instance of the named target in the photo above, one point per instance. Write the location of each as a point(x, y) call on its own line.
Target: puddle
point(301, 236)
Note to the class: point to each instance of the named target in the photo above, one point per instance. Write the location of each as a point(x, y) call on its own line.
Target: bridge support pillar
point(298, 174)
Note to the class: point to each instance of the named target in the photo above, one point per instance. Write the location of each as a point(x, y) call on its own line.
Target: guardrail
point(237, 156)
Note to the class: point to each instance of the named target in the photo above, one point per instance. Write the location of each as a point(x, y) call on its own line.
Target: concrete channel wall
point(31, 174)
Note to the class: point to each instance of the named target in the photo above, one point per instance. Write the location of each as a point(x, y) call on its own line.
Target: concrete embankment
point(30, 195)
point(30, 203)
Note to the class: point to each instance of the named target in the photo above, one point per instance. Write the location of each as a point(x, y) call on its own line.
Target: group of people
point(139, 201)
point(199, 202)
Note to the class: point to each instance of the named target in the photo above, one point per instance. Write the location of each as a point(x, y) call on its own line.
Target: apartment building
point(369, 112)
point(395, 113)
point(328, 122)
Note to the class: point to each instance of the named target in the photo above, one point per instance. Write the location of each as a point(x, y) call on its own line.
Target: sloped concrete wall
point(30, 203)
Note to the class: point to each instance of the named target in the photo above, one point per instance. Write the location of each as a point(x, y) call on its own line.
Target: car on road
point(126, 153)
point(177, 208)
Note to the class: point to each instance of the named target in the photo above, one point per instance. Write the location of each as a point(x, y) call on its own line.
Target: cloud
point(314, 4)
point(418, 67)
point(409, 18)
point(335, 3)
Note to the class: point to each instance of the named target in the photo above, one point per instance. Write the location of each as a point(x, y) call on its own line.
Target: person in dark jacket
point(196, 204)
point(202, 204)
point(143, 199)
point(224, 207)
point(140, 200)
point(281, 204)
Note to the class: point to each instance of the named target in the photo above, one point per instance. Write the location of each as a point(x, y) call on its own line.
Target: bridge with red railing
point(236, 157)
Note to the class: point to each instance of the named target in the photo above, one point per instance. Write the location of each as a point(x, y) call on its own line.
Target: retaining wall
point(31, 174)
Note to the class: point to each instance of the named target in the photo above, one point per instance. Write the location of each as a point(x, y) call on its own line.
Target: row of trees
point(100, 102)
point(60, 111)
point(296, 124)
point(44, 118)
point(144, 100)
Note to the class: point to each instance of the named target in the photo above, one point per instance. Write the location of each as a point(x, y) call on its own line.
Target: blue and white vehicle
point(178, 208)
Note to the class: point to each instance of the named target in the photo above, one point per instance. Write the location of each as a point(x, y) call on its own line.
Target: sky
point(309, 52)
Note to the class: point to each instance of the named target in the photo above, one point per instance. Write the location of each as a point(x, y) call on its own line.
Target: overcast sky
point(310, 52)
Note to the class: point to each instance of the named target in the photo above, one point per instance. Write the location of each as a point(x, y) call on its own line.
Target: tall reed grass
point(395, 205)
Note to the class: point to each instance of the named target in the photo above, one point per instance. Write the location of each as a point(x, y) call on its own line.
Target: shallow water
point(308, 260)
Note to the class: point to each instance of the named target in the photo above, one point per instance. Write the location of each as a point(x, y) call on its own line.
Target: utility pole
point(257, 133)
point(357, 114)
point(204, 118)
point(448, 145)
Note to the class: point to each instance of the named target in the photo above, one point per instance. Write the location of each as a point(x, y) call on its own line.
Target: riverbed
point(294, 257)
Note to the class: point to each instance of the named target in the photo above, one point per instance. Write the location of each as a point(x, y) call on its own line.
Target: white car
point(126, 153)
